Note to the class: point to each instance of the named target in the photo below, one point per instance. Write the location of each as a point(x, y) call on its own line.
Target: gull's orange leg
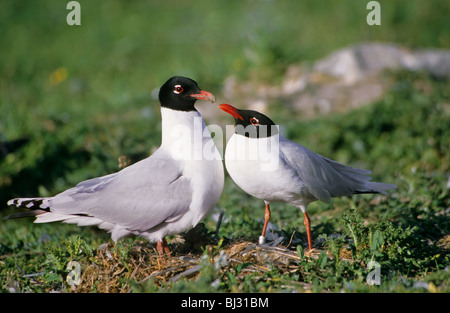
point(162, 247)
point(262, 238)
point(308, 229)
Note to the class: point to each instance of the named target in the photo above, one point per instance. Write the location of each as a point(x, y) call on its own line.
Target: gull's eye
point(178, 89)
point(254, 121)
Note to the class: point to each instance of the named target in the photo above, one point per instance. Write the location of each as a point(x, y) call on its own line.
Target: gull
point(167, 193)
point(275, 169)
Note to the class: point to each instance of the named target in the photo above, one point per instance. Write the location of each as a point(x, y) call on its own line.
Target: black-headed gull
point(167, 193)
point(275, 169)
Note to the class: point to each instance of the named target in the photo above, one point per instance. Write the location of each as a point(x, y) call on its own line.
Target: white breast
point(254, 164)
point(187, 139)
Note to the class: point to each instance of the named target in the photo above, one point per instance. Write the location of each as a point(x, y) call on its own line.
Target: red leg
point(166, 247)
point(262, 238)
point(266, 219)
point(308, 230)
point(162, 247)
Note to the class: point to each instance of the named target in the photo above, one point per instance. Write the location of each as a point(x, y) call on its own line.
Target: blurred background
point(73, 99)
point(77, 102)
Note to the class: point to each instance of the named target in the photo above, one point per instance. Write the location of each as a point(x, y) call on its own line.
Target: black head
point(250, 123)
point(180, 93)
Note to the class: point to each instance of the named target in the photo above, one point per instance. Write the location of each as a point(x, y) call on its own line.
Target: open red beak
point(204, 95)
point(230, 110)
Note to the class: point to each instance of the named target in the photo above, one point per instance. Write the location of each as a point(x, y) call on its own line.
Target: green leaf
point(300, 252)
point(377, 241)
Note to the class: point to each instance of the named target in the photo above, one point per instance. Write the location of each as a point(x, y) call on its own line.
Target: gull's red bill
point(204, 95)
point(230, 110)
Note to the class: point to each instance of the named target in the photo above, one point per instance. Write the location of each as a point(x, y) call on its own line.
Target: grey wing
point(139, 197)
point(326, 178)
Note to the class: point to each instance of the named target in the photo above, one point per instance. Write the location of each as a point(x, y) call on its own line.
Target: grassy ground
point(82, 97)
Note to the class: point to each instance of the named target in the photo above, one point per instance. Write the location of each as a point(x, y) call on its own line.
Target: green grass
point(406, 233)
point(82, 96)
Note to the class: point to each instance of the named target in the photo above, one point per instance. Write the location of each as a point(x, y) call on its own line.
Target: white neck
point(184, 134)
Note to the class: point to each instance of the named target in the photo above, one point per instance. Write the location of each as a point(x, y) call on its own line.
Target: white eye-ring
point(254, 121)
point(178, 89)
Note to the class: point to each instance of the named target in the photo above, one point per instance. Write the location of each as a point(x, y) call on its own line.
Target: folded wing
point(326, 178)
point(136, 199)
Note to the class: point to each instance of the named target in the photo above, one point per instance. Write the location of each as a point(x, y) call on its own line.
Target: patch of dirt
point(115, 265)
